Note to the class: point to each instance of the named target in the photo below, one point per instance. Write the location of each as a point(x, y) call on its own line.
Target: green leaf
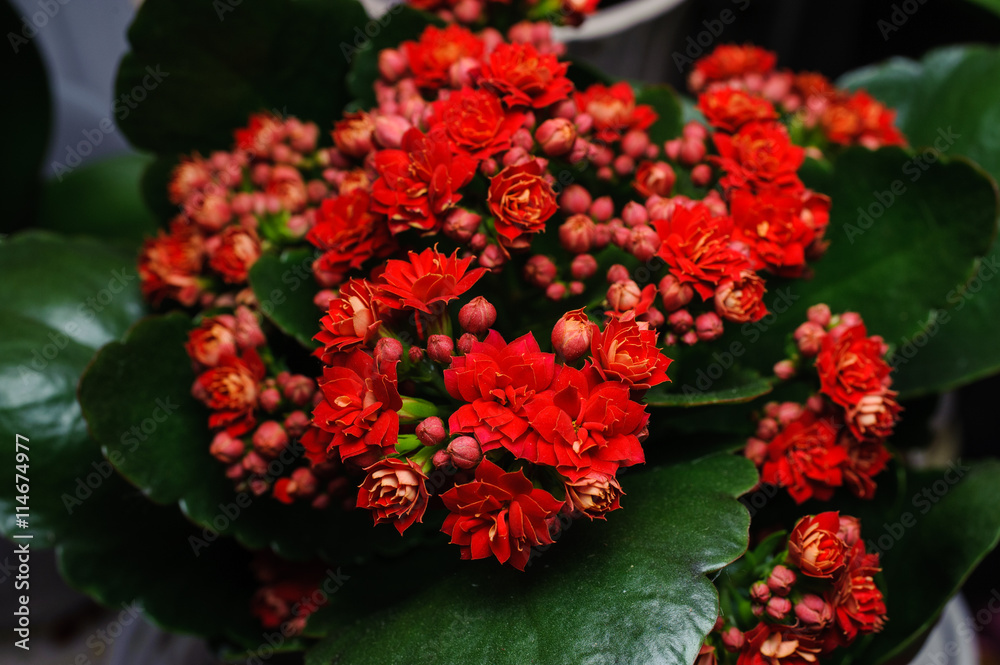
point(930, 543)
point(736, 386)
point(635, 586)
point(942, 103)
point(991, 5)
point(64, 298)
point(102, 199)
point(399, 24)
point(285, 289)
point(667, 105)
point(198, 68)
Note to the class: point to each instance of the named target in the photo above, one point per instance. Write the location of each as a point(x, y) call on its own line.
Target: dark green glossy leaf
point(634, 586)
point(285, 289)
point(198, 68)
point(64, 298)
point(739, 385)
point(667, 105)
point(944, 105)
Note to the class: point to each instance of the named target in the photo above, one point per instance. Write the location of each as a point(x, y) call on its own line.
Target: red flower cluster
point(817, 596)
point(838, 437)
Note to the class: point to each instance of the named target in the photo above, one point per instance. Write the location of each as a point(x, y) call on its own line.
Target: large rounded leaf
point(629, 590)
point(64, 298)
point(944, 105)
point(285, 289)
point(198, 68)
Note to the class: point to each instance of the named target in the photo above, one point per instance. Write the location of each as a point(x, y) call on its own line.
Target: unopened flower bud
point(673, 149)
point(618, 273)
point(270, 438)
point(572, 334)
point(416, 354)
point(812, 609)
point(623, 165)
point(227, 448)
point(781, 580)
point(694, 130)
point(634, 143)
point(441, 459)
point(787, 412)
point(431, 431)
point(296, 423)
point(465, 343)
point(575, 200)
point(555, 291)
point(323, 299)
point(556, 136)
point(391, 64)
point(477, 316)
point(690, 338)
point(299, 389)
point(674, 294)
point(767, 429)
point(784, 369)
point(691, 152)
point(254, 463)
point(733, 639)
point(270, 399)
point(808, 337)
point(576, 234)
point(465, 452)
point(654, 317)
point(492, 258)
point(819, 314)
point(634, 214)
point(540, 271)
point(388, 350)
point(760, 593)
point(701, 175)
point(440, 348)
point(460, 224)
point(304, 484)
point(756, 450)
point(708, 326)
point(583, 266)
point(602, 209)
point(850, 530)
point(778, 607)
point(389, 130)
point(643, 242)
point(623, 296)
point(680, 321)
point(478, 242)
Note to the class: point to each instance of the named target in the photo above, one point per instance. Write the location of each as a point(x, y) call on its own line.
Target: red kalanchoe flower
point(696, 247)
point(865, 460)
point(728, 109)
point(613, 110)
point(731, 61)
point(262, 132)
point(474, 122)
point(860, 119)
point(522, 201)
point(525, 78)
point(352, 320)
point(213, 340)
point(626, 351)
point(775, 644)
point(353, 134)
point(654, 178)
point(594, 495)
point(395, 491)
point(779, 226)
point(874, 416)
point(858, 603)
point(499, 513)
point(814, 546)
point(169, 265)
point(496, 379)
point(850, 366)
point(230, 390)
point(438, 49)
point(359, 405)
point(805, 459)
point(759, 156)
point(420, 181)
point(742, 300)
point(349, 234)
point(426, 282)
point(237, 251)
point(584, 425)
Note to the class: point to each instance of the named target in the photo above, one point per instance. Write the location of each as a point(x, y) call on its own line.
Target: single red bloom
point(759, 156)
point(499, 513)
point(230, 390)
point(774, 224)
point(731, 61)
point(805, 459)
point(427, 279)
point(696, 247)
point(349, 233)
point(359, 405)
point(865, 460)
point(395, 490)
point(419, 182)
point(614, 110)
point(626, 351)
point(814, 546)
point(728, 109)
point(475, 122)
point(213, 340)
point(522, 201)
point(742, 300)
point(523, 77)
point(237, 251)
point(170, 263)
point(352, 320)
point(858, 603)
point(859, 119)
point(262, 132)
point(438, 49)
point(850, 366)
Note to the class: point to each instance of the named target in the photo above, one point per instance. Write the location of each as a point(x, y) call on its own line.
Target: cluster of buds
point(288, 593)
point(258, 416)
point(837, 438)
point(741, 78)
point(816, 595)
point(233, 206)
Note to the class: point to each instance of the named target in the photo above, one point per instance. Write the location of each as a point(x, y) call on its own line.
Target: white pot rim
point(613, 20)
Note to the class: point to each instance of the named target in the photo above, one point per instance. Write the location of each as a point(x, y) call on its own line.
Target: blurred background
point(58, 81)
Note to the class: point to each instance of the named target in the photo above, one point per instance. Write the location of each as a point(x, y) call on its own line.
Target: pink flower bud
point(692, 151)
point(235, 471)
point(850, 319)
point(565, 109)
point(540, 270)
point(760, 593)
point(602, 209)
point(392, 64)
point(416, 354)
point(389, 130)
point(576, 288)
point(516, 156)
point(460, 225)
point(465, 452)
point(618, 273)
point(576, 234)
point(634, 143)
point(653, 317)
point(270, 399)
point(655, 178)
point(478, 242)
point(465, 343)
point(388, 350)
point(787, 412)
point(575, 200)
point(708, 326)
point(808, 337)
point(643, 242)
point(674, 294)
point(299, 389)
point(270, 438)
point(477, 316)
point(694, 130)
point(441, 459)
point(623, 296)
point(580, 151)
point(323, 299)
point(492, 258)
point(812, 609)
point(778, 607)
point(440, 348)
point(670, 339)
point(556, 136)
point(733, 639)
point(850, 530)
point(602, 236)
point(767, 428)
point(621, 236)
point(431, 431)
point(572, 334)
point(816, 404)
point(781, 580)
point(296, 423)
point(690, 338)
point(819, 314)
point(522, 139)
point(584, 123)
point(680, 321)
point(304, 484)
point(248, 333)
point(634, 214)
point(489, 167)
point(701, 175)
point(623, 165)
point(226, 448)
point(583, 266)
point(673, 149)
point(784, 369)
point(555, 291)
point(755, 451)
point(468, 11)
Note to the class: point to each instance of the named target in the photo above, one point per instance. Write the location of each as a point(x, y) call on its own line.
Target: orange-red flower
point(427, 281)
point(395, 490)
point(728, 109)
point(230, 390)
point(731, 61)
point(349, 233)
point(525, 78)
point(438, 49)
point(475, 122)
point(759, 156)
point(626, 351)
point(237, 250)
point(352, 319)
point(805, 459)
point(521, 201)
point(814, 546)
point(614, 110)
point(850, 366)
point(170, 263)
